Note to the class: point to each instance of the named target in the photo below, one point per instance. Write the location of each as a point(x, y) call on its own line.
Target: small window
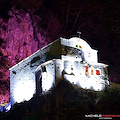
point(92, 73)
point(86, 70)
point(71, 68)
point(80, 47)
point(43, 69)
point(97, 72)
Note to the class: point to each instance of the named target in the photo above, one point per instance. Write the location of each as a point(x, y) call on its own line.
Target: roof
point(54, 48)
point(28, 59)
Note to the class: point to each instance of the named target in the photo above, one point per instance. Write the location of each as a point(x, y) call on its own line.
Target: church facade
point(71, 59)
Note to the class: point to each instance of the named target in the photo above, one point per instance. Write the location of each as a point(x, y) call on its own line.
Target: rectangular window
point(97, 72)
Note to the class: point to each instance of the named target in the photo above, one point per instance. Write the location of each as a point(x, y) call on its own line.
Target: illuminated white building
point(70, 59)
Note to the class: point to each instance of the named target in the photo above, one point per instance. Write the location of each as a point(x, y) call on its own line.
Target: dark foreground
point(66, 102)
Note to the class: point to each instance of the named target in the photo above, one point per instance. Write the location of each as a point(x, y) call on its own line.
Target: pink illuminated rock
point(19, 38)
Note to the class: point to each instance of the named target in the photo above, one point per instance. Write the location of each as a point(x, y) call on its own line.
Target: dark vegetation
point(66, 102)
point(99, 22)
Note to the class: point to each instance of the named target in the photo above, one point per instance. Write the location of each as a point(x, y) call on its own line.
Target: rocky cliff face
point(21, 36)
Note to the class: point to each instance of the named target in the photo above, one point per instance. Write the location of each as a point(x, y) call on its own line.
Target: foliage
point(67, 103)
point(27, 26)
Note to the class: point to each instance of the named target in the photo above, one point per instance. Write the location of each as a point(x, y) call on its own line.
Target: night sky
point(26, 26)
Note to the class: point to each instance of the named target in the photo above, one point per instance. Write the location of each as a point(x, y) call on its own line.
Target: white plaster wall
point(22, 78)
point(48, 77)
point(89, 53)
point(58, 68)
point(22, 84)
point(77, 76)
